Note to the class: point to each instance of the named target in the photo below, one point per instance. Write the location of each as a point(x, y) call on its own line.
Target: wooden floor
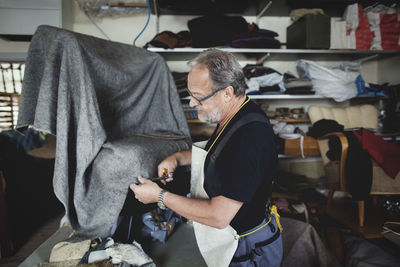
point(36, 239)
point(345, 212)
point(342, 211)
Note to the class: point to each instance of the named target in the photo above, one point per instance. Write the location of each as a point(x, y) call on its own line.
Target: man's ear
point(229, 92)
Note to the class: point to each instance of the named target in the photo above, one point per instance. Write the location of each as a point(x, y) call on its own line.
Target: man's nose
point(193, 103)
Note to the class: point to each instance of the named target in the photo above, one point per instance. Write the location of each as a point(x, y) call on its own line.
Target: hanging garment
point(387, 155)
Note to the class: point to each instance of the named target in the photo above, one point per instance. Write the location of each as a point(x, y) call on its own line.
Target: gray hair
point(223, 68)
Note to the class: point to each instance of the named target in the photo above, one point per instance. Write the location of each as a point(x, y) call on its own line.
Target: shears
point(163, 177)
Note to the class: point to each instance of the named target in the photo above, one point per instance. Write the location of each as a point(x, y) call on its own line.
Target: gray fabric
point(303, 247)
point(365, 253)
point(99, 98)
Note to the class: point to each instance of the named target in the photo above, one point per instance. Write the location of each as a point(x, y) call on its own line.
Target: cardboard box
point(310, 32)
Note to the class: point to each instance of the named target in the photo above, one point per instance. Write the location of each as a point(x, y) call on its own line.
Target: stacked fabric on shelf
point(210, 31)
point(263, 80)
point(234, 31)
point(297, 86)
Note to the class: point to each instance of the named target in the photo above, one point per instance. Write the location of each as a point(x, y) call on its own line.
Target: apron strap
point(246, 119)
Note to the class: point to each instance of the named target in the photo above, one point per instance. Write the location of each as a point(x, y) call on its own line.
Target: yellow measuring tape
point(273, 208)
point(227, 124)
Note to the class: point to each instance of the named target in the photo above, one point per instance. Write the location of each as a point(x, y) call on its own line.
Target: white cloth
point(217, 246)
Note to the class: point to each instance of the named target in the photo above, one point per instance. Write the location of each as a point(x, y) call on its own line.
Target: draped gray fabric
point(302, 246)
point(116, 114)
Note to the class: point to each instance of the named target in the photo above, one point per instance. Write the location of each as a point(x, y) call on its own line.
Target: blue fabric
point(24, 142)
point(268, 255)
point(362, 89)
point(160, 226)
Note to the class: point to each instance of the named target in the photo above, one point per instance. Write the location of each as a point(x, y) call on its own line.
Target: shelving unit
point(311, 166)
point(277, 51)
point(281, 54)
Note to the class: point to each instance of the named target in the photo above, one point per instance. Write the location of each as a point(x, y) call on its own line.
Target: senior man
point(232, 172)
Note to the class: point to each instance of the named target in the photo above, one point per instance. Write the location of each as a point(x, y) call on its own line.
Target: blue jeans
point(261, 248)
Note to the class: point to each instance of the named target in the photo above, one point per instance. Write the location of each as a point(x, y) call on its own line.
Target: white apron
point(217, 246)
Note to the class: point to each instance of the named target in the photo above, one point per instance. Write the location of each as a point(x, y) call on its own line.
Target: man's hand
point(147, 191)
point(170, 163)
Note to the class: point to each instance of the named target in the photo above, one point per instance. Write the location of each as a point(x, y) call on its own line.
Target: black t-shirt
point(244, 168)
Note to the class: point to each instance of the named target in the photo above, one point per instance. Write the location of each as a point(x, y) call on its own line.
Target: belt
point(271, 210)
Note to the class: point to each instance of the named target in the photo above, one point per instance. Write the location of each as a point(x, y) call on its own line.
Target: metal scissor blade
point(154, 179)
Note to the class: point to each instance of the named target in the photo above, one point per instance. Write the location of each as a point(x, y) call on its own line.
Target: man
point(239, 163)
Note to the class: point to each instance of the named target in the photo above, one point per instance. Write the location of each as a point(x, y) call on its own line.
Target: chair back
point(365, 116)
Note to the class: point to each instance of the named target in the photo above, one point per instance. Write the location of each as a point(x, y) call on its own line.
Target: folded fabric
point(69, 251)
point(256, 38)
point(130, 253)
point(168, 39)
point(210, 31)
point(299, 91)
point(255, 70)
point(256, 42)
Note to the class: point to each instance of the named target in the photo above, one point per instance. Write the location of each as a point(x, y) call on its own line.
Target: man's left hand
point(147, 191)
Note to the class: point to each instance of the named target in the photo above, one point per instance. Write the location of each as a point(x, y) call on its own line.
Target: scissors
point(163, 177)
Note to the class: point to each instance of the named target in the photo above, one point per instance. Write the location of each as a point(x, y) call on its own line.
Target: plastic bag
point(359, 34)
point(385, 24)
point(106, 8)
point(329, 82)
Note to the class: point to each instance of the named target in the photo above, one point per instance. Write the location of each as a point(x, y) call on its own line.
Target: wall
point(125, 29)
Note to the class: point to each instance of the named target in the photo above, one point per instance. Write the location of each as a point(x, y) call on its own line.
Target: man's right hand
point(170, 164)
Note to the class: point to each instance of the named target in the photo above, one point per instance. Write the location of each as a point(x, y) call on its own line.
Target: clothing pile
point(297, 86)
point(215, 30)
point(358, 161)
point(263, 80)
point(98, 252)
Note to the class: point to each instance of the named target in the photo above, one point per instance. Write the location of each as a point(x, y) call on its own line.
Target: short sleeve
point(244, 161)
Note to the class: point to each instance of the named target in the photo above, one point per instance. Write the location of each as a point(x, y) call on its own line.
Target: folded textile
point(256, 42)
point(64, 251)
point(300, 91)
point(256, 38)
point(210, 31)
point(255, 70)
point(168, 39)
point(116, 114)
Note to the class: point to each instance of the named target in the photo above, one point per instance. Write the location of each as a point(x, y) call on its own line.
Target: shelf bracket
point(157, 17)
point(263, 58)
point(262, 12)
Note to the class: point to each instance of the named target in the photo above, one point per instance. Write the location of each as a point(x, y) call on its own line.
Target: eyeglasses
point(204, 98)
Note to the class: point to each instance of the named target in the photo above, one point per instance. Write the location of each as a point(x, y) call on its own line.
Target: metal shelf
point(280, 96)
point(277, 51)
point(13, 57)
point(283, 96)
point(260, 55)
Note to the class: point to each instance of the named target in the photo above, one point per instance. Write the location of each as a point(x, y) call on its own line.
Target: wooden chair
point(365, 116)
